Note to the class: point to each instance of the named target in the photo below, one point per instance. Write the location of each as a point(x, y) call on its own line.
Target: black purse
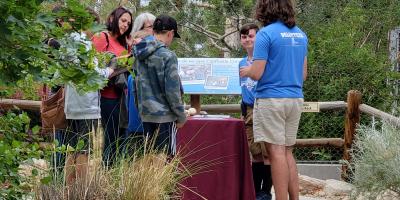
point(119, 78)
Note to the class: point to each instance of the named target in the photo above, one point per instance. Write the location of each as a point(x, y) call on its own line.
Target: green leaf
point(97, 28)
point(15, 20)
point(80, 145)
point(70, 149)
point(46, 180)
point(45, 20)
point(35, 172)
point(36, 129)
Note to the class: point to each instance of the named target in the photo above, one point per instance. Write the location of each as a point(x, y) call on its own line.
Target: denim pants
point(59, 158)
point(113, 135)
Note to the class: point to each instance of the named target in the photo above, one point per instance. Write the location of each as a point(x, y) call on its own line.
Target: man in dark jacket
point(159, 86)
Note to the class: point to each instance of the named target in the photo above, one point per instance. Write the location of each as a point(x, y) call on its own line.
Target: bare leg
point(293, 175)
point(279, 170)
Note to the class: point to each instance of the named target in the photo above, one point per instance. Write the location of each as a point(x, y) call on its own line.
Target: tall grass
point(145, 174)
point(376, 161)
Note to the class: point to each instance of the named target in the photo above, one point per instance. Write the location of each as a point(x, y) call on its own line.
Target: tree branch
point(203, 5)
point(201, 30)
point(219, 47)
point(226, 44)
point(227, 34)
point(185, 45)
point(215, 35)
point(173, 5)
point(368, 34)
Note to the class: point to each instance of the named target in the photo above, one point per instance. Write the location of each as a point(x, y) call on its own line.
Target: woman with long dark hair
point(114, 40)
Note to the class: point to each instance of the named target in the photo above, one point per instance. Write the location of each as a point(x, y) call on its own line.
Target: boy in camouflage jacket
point(159, 86)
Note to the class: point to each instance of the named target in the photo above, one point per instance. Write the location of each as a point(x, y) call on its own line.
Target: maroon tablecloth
point(219, 147)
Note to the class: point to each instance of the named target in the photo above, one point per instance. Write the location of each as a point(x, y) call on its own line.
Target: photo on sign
point(194, 74)
point(216, 82)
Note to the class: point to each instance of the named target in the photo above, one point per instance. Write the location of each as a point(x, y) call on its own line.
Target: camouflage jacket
point(158, 83)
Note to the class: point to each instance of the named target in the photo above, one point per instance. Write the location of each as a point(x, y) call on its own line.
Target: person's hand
point(180, 125)
point(136, 41)
point(110, 70)
point(130, 41)
point(244, 71)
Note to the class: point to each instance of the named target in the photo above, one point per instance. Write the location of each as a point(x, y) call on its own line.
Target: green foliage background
point(348, 49)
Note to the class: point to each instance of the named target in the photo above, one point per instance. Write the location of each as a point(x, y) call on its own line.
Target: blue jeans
point(76, 130)
point(59, 157)
point(113, 135)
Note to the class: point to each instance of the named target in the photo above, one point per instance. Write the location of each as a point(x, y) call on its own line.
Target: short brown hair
point(244, 30)
point(270, 11)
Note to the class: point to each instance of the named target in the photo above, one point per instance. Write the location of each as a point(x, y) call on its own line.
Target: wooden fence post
point(351, 121)
point(195, 102)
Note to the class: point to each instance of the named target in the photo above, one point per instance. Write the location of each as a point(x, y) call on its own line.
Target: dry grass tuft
point(144, 175)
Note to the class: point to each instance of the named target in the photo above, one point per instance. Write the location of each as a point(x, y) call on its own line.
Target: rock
point(389, 195)
point(25, 169)
point(337, 188)
point(309, 185)
point(203, 112)
point(192, 111)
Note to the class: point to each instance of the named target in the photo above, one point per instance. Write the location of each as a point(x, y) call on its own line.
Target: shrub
point(16, 147)
point(376, 161)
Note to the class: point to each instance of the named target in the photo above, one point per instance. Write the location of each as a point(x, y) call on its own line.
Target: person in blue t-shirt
point(280, 66)
point(260, 163)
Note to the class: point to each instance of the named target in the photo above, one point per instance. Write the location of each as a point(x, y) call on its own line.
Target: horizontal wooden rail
point(210, 108)
point(332, 105)
point(333, 142)
point(384, 116)
point(235, 108)
point(22, 104)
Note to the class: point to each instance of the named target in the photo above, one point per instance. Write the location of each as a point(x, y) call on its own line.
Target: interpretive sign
point(210, 75)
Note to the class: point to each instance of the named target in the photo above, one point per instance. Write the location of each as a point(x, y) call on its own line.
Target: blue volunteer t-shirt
point(247, 84)
point(284, 49)
point(135, 124)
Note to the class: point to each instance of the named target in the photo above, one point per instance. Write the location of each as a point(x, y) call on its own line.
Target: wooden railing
point(22, 104)
point(353, 109)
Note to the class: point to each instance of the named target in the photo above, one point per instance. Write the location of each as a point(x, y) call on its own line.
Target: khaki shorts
point(276, 120)
point(258, 152)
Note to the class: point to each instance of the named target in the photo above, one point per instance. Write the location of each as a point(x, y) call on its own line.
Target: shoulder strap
point(108, 42)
